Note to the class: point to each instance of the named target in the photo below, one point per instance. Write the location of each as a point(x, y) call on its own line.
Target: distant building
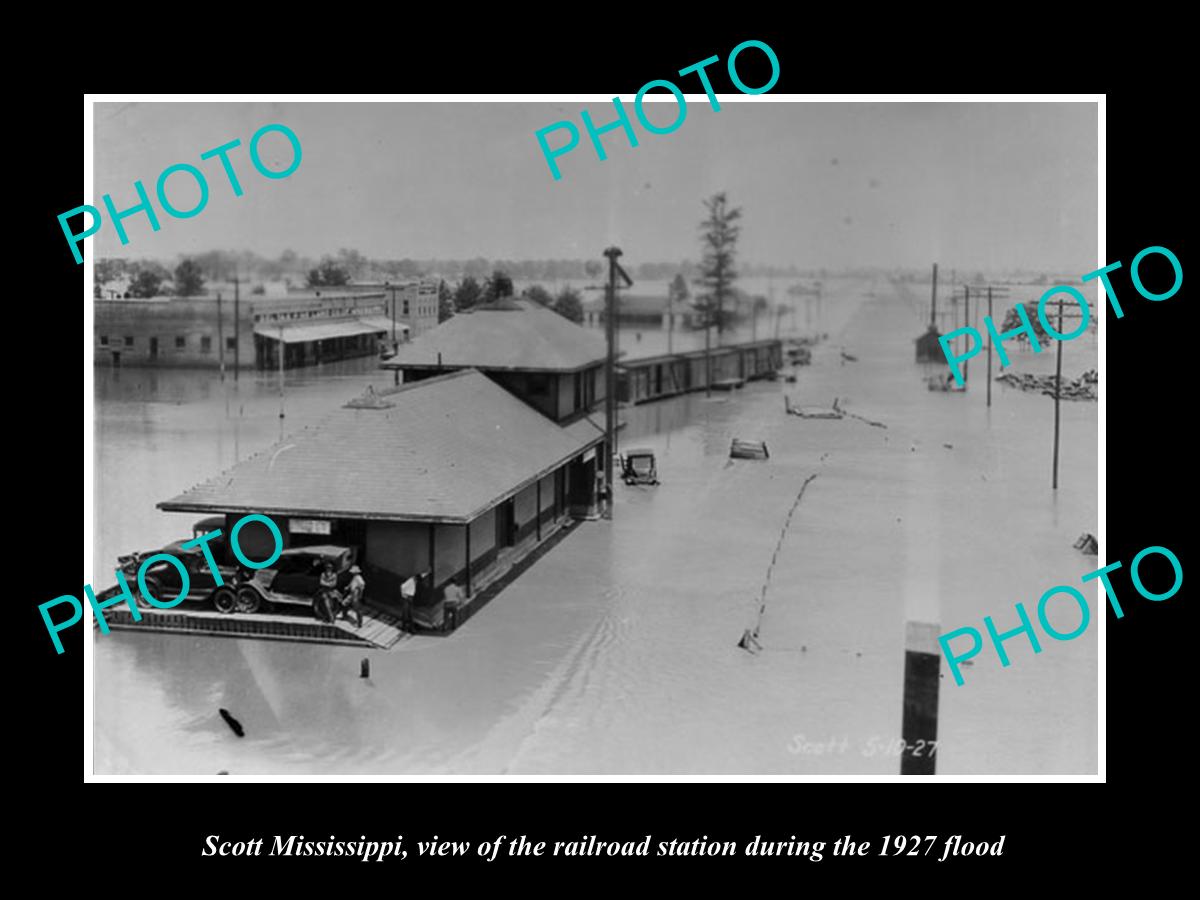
point(554, 365)
point(451, 475)
point(212, 330)
point(645, 310)
point(929, 350)
point(416, 301)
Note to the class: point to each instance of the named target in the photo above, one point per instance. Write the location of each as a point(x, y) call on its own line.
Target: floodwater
point(616, 652)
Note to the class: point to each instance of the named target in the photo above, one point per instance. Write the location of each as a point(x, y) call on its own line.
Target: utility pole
point(966, 324)
point(237, 332)
point(1057, 393)
point(610, 371)
point(220, 338)
point(989, 375)
point(388, 287)
point(708, 346)
point(282, 347)
point(933, 302)
point(670, 319)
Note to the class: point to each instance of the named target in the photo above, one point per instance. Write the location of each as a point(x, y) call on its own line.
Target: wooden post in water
point(921, 678)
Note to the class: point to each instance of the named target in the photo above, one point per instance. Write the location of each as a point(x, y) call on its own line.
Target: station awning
point(303, 332)
point(382, 323)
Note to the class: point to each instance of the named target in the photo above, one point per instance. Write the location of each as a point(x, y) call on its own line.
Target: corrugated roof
point(532, 339)
point(443, 449)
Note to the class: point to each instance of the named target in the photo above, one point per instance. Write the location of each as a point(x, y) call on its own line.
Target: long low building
point(657, 377)
point(214, 331)
point(451, 475)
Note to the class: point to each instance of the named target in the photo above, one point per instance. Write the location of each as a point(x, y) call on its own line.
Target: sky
point(990, 186)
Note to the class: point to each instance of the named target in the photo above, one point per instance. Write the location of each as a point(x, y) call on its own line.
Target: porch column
point(468, 542)
point(432, 555)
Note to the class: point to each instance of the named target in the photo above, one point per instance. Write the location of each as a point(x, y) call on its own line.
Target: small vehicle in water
point(163, 580)
point(639, 467)
point(294, 579)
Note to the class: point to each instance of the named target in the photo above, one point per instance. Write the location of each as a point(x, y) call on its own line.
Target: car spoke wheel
point(248, 600)
point(224, 600)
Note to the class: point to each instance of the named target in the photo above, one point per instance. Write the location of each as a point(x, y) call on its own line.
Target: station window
point(405, 313)
point(539, 385)
point(230, 343)
point(129, 340)
point(180, 342)
point(205, 343)
point(104, 340)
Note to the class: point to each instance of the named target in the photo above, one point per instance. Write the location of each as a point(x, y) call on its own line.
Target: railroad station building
point(451, 474)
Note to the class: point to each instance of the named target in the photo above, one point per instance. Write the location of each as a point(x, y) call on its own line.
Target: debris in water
point(749, 643)
point(364, 668)
point(948, 446)
point(223, 772)
point(749, 640)
point(741, 449)
point(233, 723)
point(1087, 544)
point(1081, 388)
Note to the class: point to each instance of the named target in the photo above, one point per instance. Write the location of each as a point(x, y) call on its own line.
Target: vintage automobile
point(163, 580)
point(294, 579)
point(638, 467)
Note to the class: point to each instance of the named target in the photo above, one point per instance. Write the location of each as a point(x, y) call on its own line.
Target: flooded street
point(616, 652)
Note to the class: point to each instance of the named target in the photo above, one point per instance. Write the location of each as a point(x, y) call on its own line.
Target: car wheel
point(224, 600)
point(248, 600)
point(153, 587)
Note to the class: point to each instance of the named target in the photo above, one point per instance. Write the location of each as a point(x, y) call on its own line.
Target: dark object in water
point(749, 642)
point(364, 668)
point(811, 412)
point(639, 467)
point(1087, 544)
point(849, 357)
point(233, 723)
point(748, 449)
point(729, 384)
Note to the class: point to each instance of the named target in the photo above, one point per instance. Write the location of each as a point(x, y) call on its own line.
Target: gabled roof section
point(443, 449)
point(504, 337)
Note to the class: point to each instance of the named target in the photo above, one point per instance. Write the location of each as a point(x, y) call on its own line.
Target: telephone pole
point(220, 338)
point(237, 332)
point(610, 371)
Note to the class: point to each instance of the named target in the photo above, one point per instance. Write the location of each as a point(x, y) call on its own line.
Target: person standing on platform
point(352, 602)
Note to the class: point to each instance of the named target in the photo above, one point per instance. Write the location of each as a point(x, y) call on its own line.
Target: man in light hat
point(352, 601)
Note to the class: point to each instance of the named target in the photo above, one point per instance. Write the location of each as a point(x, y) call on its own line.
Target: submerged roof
point(442, 449)
point(505, 336)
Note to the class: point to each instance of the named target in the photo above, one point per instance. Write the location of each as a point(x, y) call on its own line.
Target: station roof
point(507, 337)
point(444, 449)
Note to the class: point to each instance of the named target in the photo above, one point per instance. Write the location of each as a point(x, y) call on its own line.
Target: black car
point(294, 579)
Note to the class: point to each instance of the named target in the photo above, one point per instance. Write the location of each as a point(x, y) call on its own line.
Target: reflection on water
point(616, 651)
